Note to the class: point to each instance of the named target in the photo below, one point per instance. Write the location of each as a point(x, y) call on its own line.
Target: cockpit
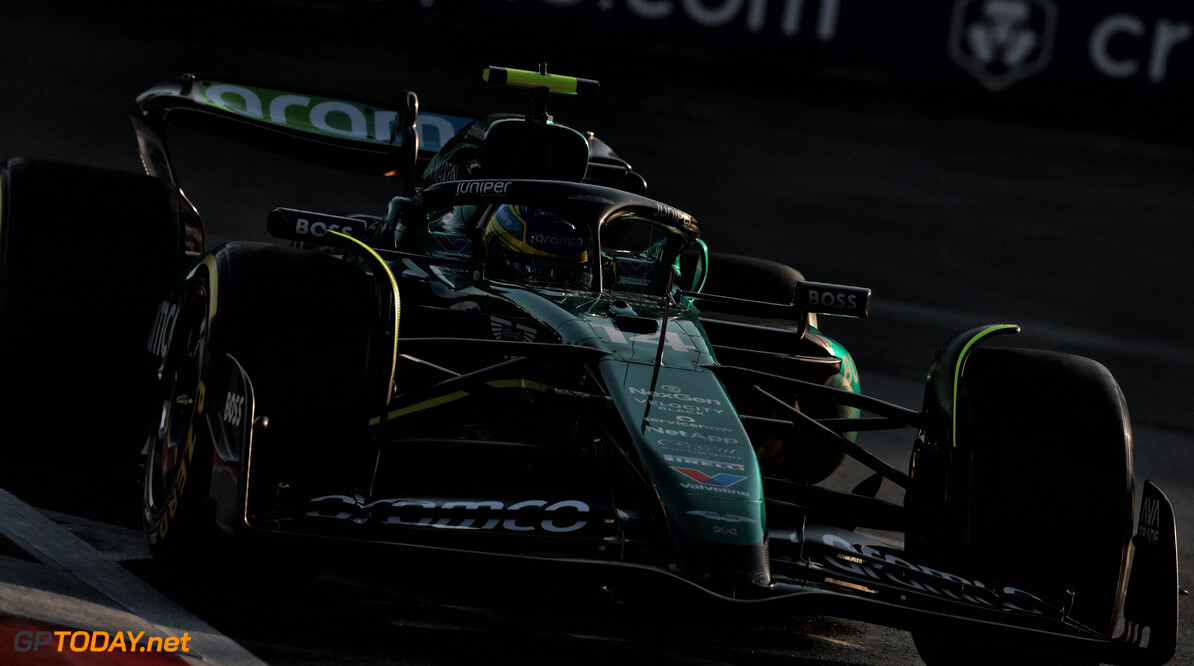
point(536, 245)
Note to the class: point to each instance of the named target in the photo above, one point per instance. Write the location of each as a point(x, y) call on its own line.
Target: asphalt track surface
point(955, 217)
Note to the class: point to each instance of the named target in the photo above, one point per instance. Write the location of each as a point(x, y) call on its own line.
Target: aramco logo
point(1000, 42)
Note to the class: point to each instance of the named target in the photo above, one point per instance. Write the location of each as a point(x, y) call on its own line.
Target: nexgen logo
point(683, 397)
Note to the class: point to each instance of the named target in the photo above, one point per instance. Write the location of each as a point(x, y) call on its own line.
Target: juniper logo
point(1001, 42)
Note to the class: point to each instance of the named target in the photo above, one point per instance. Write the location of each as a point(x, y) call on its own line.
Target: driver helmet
point(535, 246)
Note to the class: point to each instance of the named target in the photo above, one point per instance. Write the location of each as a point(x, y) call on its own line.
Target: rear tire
point(750, 277)
point(85, 256)
point(178, 459)
point(1045, 441)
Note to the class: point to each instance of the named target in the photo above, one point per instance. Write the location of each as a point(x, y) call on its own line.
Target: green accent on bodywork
point(457, 395)
point(961, 361)
point(944, 379)
point(213, 283)
point(324, 116)
point(378, 262)
point(846, 379)
point(521, 78)
point(702, 275)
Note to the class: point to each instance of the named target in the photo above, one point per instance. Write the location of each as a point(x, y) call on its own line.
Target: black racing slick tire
point(298, 324)
point(1039, 494)
point(85, 256)
point(750, 277)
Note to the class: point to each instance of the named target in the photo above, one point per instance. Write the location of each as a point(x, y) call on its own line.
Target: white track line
point(52, 543)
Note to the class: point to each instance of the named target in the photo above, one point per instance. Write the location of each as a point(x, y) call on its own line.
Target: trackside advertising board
point(1135, 54)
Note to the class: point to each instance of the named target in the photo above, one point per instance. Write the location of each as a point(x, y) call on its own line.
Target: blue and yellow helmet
point(536, 246)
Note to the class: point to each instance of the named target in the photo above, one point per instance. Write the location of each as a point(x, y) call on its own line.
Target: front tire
point(298, 324)
point(1038, 494)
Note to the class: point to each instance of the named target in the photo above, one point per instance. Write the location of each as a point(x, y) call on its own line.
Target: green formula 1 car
point(524, 362)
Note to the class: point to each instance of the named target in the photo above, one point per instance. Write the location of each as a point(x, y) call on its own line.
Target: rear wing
point(342, 134)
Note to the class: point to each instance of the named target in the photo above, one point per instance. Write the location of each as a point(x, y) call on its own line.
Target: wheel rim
point(180, 398)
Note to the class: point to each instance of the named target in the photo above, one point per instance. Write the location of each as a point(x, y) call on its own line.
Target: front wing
point(815, 569)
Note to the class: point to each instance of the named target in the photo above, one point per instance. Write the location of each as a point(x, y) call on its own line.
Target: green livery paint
point(695, 449)
point(848, 380)
point(678, 422)
point(683, 427)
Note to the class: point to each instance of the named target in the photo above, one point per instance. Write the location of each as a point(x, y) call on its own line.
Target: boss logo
point(302, 226)
point(832, 299)
point(836, 299)
point(319, 228)
point(234, 409)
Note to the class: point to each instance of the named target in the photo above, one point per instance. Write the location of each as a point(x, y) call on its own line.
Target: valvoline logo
point(455, 246)
point(637, 269)
point(721, 479)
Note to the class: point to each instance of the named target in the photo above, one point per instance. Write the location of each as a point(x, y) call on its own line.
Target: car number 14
point(671, 339)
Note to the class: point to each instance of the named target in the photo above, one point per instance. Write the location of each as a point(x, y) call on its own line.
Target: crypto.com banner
point(1134, 52)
